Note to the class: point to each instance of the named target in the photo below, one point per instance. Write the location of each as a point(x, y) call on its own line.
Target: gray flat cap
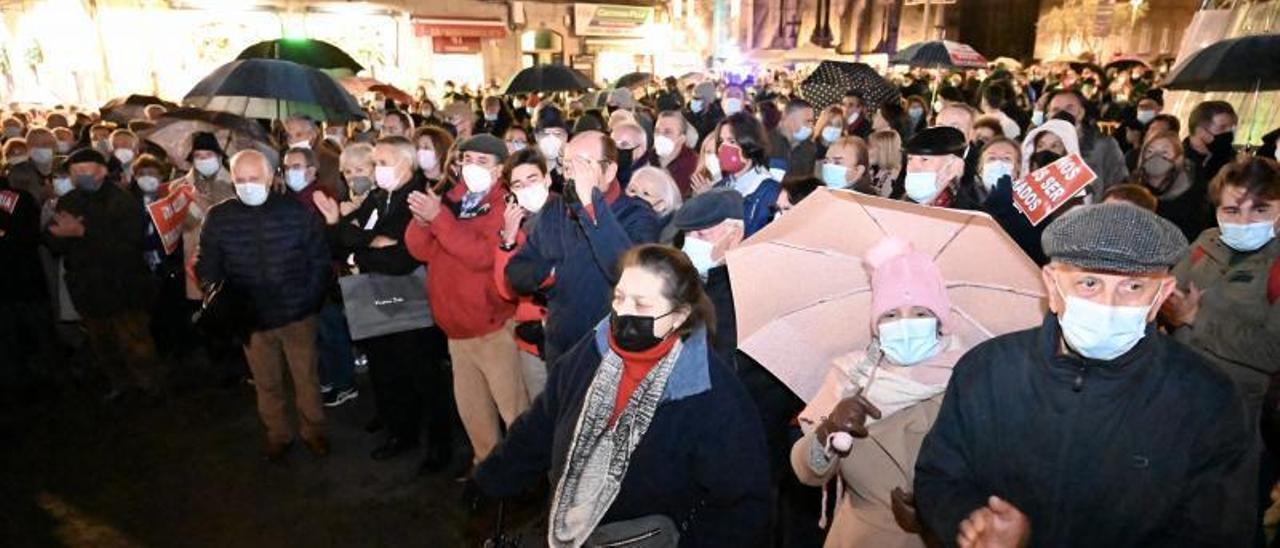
point(486, 144)
point(1121, 238)
point(709, 209)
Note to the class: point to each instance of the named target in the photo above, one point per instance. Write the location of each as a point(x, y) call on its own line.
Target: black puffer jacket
point(275, 251)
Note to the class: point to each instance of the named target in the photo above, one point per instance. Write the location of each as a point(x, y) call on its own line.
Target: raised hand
point(996, 525)
point(424, 206)
point(328, 207)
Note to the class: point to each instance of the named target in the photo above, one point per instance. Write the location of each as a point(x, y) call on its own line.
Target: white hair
point(250, 155)
point(672, 198)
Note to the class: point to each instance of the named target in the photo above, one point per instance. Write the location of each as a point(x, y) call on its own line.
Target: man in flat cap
point(1093, 429)
point(712, 225)
point(98, 231)
point(935, 164)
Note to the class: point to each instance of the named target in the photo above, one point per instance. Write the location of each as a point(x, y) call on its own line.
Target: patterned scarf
point(600, 454)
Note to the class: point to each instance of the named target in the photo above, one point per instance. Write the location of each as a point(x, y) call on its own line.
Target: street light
point(822, 36)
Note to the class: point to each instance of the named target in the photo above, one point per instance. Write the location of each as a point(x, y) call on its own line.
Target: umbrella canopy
point(633, 80)
point(123, 109)
point(173, 130)
point(829, 82)
point(1248, 63)
point(547, 78)
point(1125, 62)
point(1008, 63)
point(940, 54)
point(823, 310)
point(357, 86)
point(273, 90)
point(304, 51)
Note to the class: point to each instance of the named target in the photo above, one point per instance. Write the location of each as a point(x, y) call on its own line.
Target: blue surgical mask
point(992, 172)
point(835, 175)
point(732, 105)
point(921, 186)
point(696, 105)
point(910, 341)
point(252, 194)
point(1037, 118)
point(803, 134)
point(87, 183)
point(830, 134)
point(1099, 331)
point(1247, 237)
point(296, 179)
point(62, 186)
point(699, 253)
point(915, 112)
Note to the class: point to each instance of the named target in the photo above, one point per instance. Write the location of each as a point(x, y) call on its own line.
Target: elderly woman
point(1163, 169)
point(875, 405)
point(884, 161)
point(656, 187)
point(641, 429)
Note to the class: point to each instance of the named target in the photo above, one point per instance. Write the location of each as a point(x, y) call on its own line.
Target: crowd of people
point(580, 320)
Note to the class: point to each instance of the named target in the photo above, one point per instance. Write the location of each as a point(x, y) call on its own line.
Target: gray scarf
point(600, 453)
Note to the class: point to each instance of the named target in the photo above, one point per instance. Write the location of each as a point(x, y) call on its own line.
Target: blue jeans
point(337, 362)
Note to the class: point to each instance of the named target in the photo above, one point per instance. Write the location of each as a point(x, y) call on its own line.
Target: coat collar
point(690, 376)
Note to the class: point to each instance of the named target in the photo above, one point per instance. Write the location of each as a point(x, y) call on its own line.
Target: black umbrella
point(173, 130)
point(304, 51)
point(1248, 63)
point(633, 79)
point(273, 90)
point(548, 78)
point(940, 54)
point(123, 109)
point(832, 79)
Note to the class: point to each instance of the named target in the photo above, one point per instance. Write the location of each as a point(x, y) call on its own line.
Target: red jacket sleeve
point(420, 241)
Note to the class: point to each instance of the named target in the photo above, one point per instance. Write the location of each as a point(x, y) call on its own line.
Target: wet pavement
point(77, 472)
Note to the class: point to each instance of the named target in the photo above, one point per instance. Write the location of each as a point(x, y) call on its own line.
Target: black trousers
point(410, 376)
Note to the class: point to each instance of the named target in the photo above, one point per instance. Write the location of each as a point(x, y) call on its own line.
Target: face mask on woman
point(148, 183)
point(730, 157)
point(360, 185)
point(426, 159)
point(993, 171)
point(635, 333)
point(909, 341)
point(712, 163)
point(1157, 166)
point(830, 134)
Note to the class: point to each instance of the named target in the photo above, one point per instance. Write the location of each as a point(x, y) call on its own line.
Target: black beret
point(486, 144)
point(709, 209)
point(203, 140)
point(936, 141)
point(1114, 237)
point(87, 155)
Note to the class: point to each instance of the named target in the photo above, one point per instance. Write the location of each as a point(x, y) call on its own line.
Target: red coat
point(459, 254)
point(527, 310)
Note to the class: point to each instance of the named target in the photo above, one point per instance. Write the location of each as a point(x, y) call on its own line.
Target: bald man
point(269, 247)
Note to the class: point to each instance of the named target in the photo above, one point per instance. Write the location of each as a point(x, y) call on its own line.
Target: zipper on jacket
point(1078, 384)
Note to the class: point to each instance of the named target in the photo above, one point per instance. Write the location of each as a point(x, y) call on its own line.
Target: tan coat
point(1236, 327)
point(875, 466)
point(208, 193)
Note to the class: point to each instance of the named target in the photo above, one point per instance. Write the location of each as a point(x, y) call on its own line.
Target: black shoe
point(374, 425)
point(393, 447)
point(463, 474)
point(437, 459)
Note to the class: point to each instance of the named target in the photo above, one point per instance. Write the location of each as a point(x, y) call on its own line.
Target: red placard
point(8, 200)
point(1045, 190)
point(168, 214)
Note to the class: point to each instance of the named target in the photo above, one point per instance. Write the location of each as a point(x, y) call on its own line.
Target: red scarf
point(635, 367)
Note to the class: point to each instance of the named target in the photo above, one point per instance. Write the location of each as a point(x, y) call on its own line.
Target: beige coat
point(209, 192)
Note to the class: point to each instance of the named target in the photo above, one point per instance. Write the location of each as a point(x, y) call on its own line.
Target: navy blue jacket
point(276, 252)
point(584, 256)
point(704, 449)
point(1149, 449)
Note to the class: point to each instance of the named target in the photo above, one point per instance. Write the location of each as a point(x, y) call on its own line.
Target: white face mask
point(208, 166)
point(477, 178)
point(663, 145)
point(42, 156)
point(696, 105)
point(732, 105)
point(148, 184)
point(712, 162)
point(1037, 118)
point(1145, 116)
point(300, 144)
point(993, 171)
point(295, 179)
point(252, 194)
point(125, 155)
point(550, 146)
point(336, 138)
point(532, 197)
point(910, 341)
point(63, 185)
point(699, 253)
point(1102, 332)
point(853, 117)
point(830, 134)
point(64, 147)
point(1247, 237)
point(385, 177)
point(835, 175)
point(922, 186)
point(426, 159)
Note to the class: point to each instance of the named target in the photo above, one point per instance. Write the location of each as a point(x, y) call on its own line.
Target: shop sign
point(455, 44)
point(610, 20)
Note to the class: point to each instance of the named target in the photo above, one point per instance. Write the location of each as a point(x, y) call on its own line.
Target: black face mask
point(634, 333)
point(1221, 145)
point(1043, 158)
point(625, 161)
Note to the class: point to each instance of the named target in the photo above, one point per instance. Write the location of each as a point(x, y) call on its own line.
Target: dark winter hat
point(550, 116)
point(1121, 238)
point(709, 209)
point(203, 140)
point(87, 155)
point(936, 141)
point(486, 144)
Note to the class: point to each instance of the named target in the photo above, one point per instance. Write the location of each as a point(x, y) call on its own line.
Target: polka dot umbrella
point(832, 79)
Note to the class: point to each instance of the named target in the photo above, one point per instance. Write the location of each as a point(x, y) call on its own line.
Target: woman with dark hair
point(741, 148)
point(643, 430)
point(1164, 170)
point(529, 181)
point(433, 143)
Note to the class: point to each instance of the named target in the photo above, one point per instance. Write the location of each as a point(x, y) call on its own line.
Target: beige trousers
point(488, 385)
point(269, 353)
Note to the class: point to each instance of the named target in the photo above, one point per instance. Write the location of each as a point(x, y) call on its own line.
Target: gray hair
point(357, 153)
point(404, 147)
point(673, 199)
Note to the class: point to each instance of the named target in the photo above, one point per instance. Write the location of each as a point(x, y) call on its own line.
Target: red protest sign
point(8, 200)
point(169, 213)
point(1045, 190)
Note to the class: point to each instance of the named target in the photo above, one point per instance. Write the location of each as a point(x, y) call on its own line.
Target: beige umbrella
point(803, 294)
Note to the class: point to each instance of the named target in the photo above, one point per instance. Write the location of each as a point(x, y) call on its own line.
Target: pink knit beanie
point(902, 276)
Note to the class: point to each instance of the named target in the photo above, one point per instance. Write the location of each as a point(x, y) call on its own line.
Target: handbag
point(653, 531)
point(226, 312)
point(381, 304)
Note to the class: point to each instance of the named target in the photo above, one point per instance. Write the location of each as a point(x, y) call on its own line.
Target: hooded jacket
point(1149, 449)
